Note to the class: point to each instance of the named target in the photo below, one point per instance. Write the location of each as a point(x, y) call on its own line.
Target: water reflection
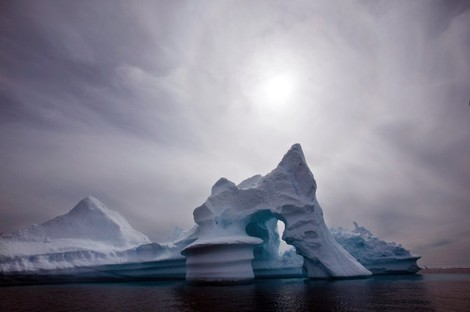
point(373, 294)
point(378, 293)
point(393, 293)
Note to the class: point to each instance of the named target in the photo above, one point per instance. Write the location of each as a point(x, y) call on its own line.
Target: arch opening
point(274, 257)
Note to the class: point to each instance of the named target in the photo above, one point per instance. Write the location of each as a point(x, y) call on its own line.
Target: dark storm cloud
point(77, 61)
point(146, 104)
point(70, 87)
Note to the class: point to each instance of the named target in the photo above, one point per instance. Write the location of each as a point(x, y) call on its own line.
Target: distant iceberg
point(88, 235)
point(377, 255)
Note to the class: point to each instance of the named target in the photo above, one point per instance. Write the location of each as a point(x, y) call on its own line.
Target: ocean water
point(429, 292)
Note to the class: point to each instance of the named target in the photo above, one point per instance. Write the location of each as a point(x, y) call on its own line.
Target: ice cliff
point(223, 250)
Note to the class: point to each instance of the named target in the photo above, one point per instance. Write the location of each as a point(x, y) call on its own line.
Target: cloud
point(439, 243)
point(146, 105)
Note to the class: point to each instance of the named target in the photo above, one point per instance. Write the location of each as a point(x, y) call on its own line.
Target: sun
point(276, 91)
point(271, 82)
point(278, 88)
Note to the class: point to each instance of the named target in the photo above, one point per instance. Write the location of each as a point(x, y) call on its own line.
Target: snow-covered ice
point(235, 238)
point(89, 234)
point(377, 255)
point(288, 194)
point(90, 221)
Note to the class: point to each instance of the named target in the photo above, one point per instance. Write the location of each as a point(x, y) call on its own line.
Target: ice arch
point(269, 260)
point(224, 250)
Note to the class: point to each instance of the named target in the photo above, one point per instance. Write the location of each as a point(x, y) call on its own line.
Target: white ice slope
point(89, 220)
point(89, 234)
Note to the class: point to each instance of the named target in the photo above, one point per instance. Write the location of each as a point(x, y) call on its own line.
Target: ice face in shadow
point(288, 194)
point(377, 255)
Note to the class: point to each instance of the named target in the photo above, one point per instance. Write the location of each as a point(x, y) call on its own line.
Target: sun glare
point(277, 90)
point(271, 81)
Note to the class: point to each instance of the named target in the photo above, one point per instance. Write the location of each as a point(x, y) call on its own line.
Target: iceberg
point(223, 251)
point(90, 220)
point(235, 239)
point(378, 256)
point(90, 234)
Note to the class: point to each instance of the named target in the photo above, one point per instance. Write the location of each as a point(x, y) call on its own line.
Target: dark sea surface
point(428, 292)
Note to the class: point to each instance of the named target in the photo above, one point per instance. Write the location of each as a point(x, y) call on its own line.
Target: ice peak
point(294, 164)
point(89, 204)
point(293, 157)
point(91, 198)
point(223, 184)
point(92, 202)
point(361, 230)
point(89, 220)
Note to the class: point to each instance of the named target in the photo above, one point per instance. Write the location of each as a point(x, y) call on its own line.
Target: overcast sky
point(146, 104)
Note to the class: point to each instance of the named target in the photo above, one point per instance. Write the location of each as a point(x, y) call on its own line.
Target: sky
point(146, 104)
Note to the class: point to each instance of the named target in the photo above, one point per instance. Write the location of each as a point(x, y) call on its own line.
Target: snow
point(89, 234)
point(90, 221)
point(287, 193)
point(235, 238)
point(377, 255)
